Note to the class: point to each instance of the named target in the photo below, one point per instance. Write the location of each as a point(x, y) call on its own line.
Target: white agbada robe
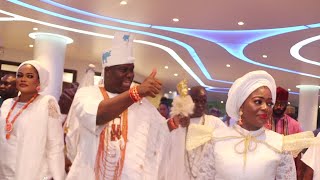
point(224, 159)
point(177, 162)
point(35, 147)
point(312, 159)
point(147, 131)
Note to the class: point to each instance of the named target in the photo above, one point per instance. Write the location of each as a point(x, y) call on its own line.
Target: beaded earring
point(240, 122)
point(269, 124)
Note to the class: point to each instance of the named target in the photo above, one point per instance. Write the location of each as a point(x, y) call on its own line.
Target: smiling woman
point(31, 135)
point(247, 150)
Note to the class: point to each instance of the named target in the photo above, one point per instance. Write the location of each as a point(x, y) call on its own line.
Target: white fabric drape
point(177, 163)
point(221, 159)
point(312, 159)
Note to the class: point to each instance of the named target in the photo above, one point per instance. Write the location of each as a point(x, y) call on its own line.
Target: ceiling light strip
point(191, 51)
point(295, 50)
point(168, 50)
point(280, 31)
point(239, 40)
point(86, 13)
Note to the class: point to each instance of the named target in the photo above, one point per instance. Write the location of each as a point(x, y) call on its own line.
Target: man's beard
point(278, 113)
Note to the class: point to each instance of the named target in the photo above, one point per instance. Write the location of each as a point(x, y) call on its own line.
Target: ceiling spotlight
point(166, 67)
point(35, 29)
point(264, 56)
point(175, 20)
point(221, 102)
point(319, 106)
point(189, 89)
point(228, 65)
point(289, 89)
point(175, 74)
point(170, 92)
point(123, 2)
point(31, 45)
point(240, 23)
point(289, 103)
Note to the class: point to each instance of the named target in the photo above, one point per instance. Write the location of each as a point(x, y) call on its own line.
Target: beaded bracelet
point(171, 124)
point(134, 95)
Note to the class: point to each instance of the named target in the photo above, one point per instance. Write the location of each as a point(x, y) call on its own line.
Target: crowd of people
point(111, 131)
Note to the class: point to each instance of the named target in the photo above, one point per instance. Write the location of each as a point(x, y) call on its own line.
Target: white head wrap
point(120, 53)
point(244, 86)
point(42, 72)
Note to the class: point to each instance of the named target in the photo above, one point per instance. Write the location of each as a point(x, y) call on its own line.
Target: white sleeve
point(55, 143)
point(286, 169)
point(206, 163)
point(312, 159)
point(86, 107)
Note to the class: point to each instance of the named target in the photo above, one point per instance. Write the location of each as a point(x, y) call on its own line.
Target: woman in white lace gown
point(247, 151)
point(31, 135)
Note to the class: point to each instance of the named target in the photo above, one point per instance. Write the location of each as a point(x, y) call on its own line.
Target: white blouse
point(226, 156)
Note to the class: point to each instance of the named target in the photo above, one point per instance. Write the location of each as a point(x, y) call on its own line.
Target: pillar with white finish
point(308, 106)
point(50, 50)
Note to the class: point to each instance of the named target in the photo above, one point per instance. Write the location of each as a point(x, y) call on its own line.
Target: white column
point(308, 106)
point(50, 50)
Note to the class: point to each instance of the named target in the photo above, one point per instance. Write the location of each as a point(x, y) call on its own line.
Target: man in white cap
point(121, 134)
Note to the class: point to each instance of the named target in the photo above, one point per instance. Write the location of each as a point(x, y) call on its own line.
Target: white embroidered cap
point(244, 86)
point(121, 51)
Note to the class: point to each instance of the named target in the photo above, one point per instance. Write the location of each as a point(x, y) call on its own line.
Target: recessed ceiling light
point(221, 102)
point(35, 29)
point(228, 65)
point(175, 74)
point(264, 56)
point(123, 3)
point(31, 45)
point(289, 89)
point(289, 103)
point(175, 20)
point(240, 23)
point(166, 67)
point(170, 92)
point(319, 106)
point(189, 89)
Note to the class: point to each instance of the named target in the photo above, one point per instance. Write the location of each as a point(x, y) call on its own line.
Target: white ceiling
point(222, 15)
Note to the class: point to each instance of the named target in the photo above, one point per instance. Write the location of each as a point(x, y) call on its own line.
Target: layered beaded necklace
point(9, 124)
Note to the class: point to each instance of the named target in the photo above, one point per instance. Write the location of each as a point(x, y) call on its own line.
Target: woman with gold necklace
point(31, 135)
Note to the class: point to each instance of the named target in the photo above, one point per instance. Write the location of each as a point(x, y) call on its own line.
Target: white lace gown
point(224, 157)
point(177, 162)
point(35, 147)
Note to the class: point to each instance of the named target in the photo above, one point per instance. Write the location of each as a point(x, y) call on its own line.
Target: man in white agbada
point(178, 163)
point(120, 133)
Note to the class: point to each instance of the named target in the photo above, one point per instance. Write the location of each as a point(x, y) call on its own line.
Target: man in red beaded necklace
point(120, 133)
